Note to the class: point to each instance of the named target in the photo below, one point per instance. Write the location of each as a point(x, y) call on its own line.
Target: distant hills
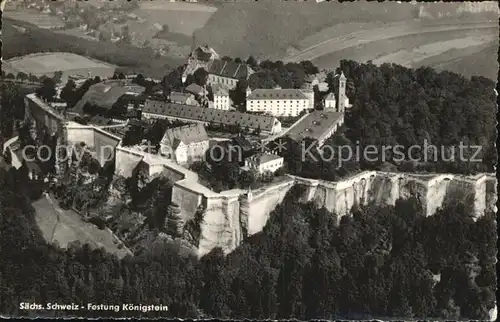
point(266, 30)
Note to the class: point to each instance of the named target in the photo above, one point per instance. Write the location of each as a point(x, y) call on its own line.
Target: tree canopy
point(382, 261)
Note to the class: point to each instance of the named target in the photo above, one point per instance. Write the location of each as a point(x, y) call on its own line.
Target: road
point(367, 36)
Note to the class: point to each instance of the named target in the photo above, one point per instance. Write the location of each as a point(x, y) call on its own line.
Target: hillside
point(20, 38)
point(269, 28)
point(482, 63)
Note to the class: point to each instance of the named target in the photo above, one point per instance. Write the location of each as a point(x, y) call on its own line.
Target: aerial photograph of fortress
point(248, 159)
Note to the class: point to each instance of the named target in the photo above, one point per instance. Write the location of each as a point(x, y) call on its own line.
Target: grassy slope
point(267, 28)
point(483, 63)
point(133, 59)
point(464, 61)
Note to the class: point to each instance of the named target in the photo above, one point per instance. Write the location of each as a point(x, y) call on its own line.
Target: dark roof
point(276, 94)
point(194, 88)
point(186, 134)
point(220, 90)
point(315, 125)
point(242, 142)
point(230, 69)
point(265, 122)
point(180, 98)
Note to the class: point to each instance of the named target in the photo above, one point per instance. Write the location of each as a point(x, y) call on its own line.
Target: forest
point(397, 106)
point(381, 261)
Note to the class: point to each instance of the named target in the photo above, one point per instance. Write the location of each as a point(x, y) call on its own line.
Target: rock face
point(228, 219)
point(434, 191)
point(231, 216)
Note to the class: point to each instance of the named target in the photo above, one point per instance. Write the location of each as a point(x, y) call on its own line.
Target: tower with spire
point(342, 98)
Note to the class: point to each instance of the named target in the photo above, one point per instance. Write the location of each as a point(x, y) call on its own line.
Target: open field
point(183, 18)
point(17, 42)
point(39, 19)
point(431, 49)
point(483, 63)
point(352, 29)
point(412, 56)
point(395, 30)
point(66, 226)
point(43, 63)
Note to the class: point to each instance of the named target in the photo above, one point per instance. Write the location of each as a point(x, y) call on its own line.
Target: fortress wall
point(491, 194)
point(42, 114)
point(221, 227)
point(76, 135)
point(187, 199)
point(171, 174)
point(105, 144)
point(386, 188)
point(480, 198)
point(263, 203)
point(126, 161)
point(437, 193)
point(230, 216)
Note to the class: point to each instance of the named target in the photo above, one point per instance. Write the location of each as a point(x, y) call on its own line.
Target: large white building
point(221, 98)
point(185, 143)
point(279, 102)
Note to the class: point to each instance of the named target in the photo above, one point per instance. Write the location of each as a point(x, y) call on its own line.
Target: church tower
point(342, 98)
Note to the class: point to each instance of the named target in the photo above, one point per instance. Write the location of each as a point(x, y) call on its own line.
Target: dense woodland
point(397, 106)
point(381, 261)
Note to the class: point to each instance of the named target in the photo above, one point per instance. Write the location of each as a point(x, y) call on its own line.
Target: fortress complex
point(230, 216)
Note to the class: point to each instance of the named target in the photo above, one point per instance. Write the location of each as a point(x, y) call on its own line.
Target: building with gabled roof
point(263, 162)
point(279, 102)
point(330, 102)
point(228, 73)
point(185, 143)
point(164, 110)
point(195, 89)
point(182, 98)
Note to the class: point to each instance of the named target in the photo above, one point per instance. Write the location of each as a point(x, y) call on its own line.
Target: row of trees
point(11, 109)
point(21, 76)
point(383, 261)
